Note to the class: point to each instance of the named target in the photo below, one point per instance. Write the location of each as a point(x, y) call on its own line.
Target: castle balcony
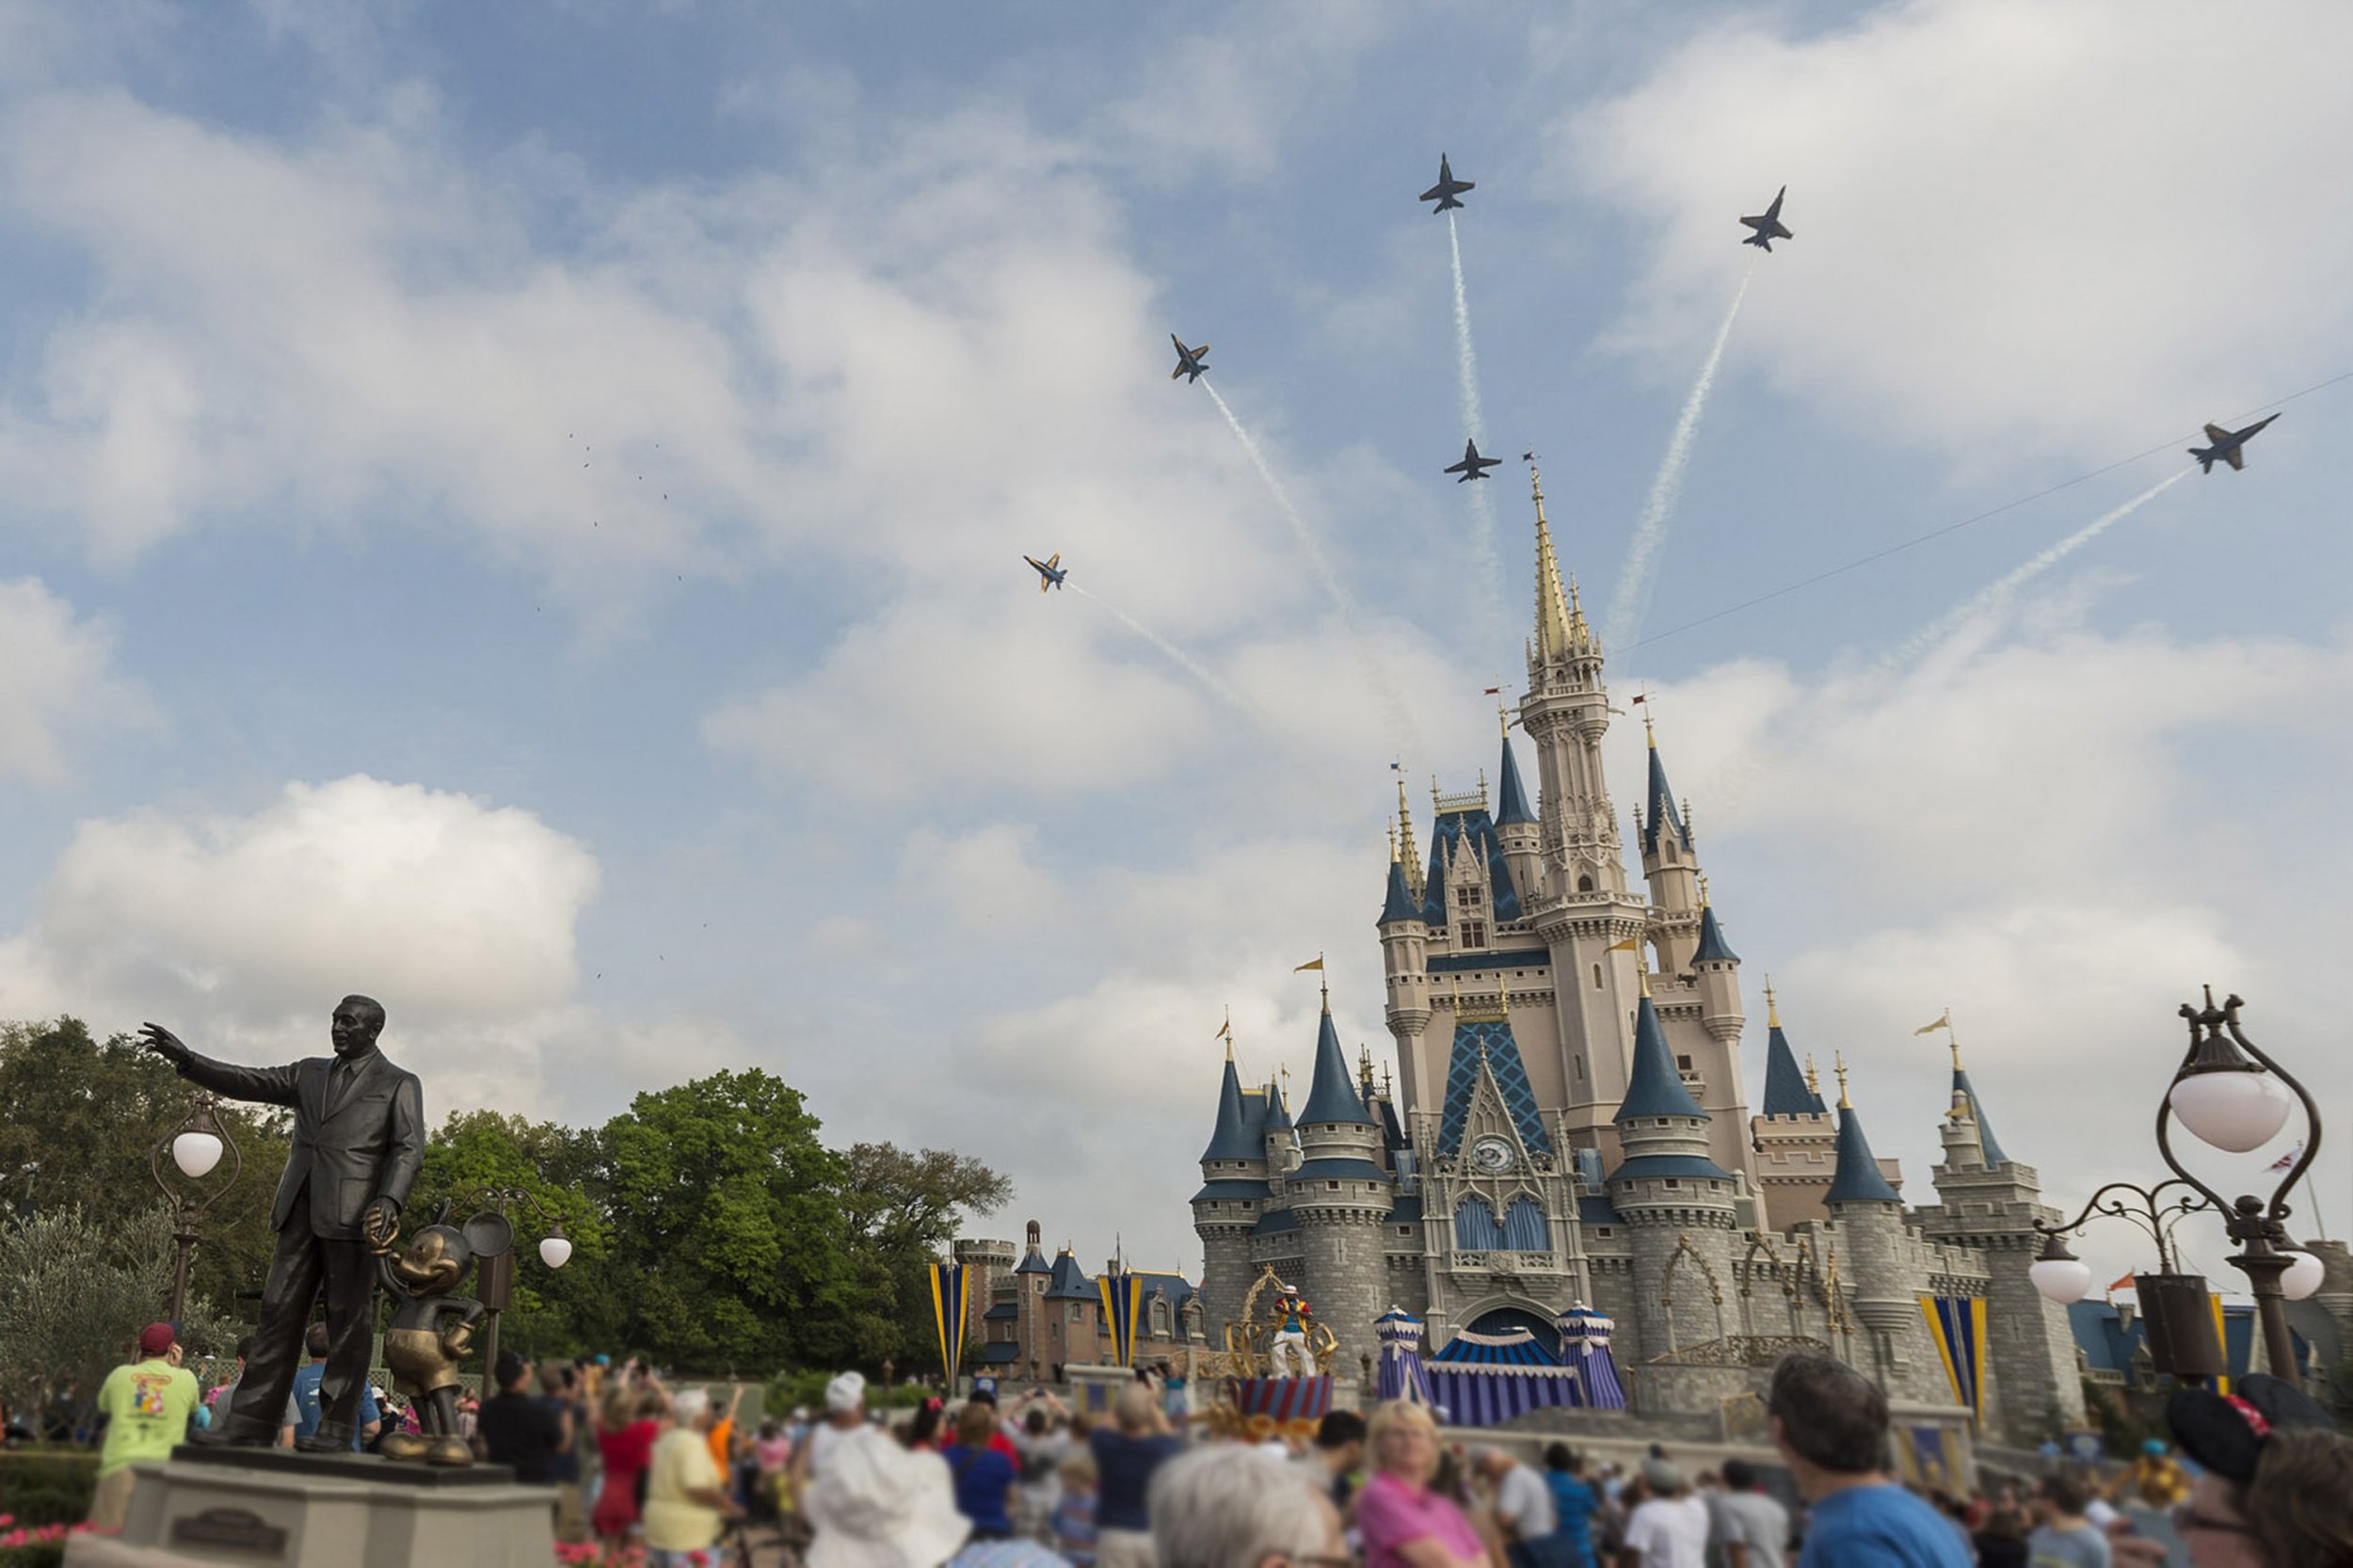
point(1505, 1266)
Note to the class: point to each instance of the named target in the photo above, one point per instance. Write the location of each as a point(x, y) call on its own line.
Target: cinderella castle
point(1569, 1123)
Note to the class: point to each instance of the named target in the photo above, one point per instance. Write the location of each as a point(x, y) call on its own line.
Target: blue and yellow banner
point(2221, 1337)
point(1123, 1306)
point(1957, 1325)
point(952, 1292)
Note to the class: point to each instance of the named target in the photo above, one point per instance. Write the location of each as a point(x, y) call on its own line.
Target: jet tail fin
point(2205, 459)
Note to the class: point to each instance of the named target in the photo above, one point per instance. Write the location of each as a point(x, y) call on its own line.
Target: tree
point(728, 1234)
point(83, 1117)
point(558, 1311)
point(903, 1209)
point(79, 1290)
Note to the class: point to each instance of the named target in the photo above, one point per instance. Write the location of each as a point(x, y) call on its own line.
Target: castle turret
point(1870, 1218)
point(1988, 1202)
point(1670, 866)
point(1794, 1138)
point(1518, 828)
point(1339, 1195)
point(1718, 970)
point(1405, 944)
point(1676, 1203)
point(1234, 1193)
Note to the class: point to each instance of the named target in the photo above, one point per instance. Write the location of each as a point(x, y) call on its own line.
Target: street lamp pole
point(193, 1149)
point(2259, 1228)
point(495, 1271)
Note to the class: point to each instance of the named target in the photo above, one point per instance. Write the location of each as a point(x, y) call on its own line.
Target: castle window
point(1601, 1230)
point(1334, 1185)
point(1672, 1181)
point(1579, 1063)
point(1584, 884)
point(1597, 977)
point(1467, 898)
point(1473, 933)
point(1684, 1063)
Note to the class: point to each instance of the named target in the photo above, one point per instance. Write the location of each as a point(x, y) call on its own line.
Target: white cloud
point(459, 915)
point(2043, 226)
point(55, 682)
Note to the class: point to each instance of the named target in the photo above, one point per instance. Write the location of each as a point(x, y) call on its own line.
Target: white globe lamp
point(2302, 1276)
point(2234, 1111)
point(2059, 1275)
point(196, 1154)
point(556, 1251)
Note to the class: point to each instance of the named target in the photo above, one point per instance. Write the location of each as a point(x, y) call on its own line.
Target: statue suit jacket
point(348, 1150)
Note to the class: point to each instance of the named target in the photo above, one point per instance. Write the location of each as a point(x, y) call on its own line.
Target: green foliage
point(806, 1389)
point(82, 1120)
point(47, 1486)
point(78, 1291)
point(712, 1231)
point(2120, 1430)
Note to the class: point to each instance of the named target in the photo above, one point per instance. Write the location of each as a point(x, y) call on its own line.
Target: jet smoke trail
point(1632, 599)
point(1475, 425)
point(1186, 662)
point(1999, 592)
point(1376, 675)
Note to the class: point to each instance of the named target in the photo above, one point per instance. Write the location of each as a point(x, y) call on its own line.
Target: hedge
point(47, 1486)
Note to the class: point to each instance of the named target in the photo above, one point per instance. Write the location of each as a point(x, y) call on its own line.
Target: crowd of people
point(642, 1470)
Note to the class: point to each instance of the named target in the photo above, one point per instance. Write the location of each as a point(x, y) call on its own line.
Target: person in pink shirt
point(1404, 1523)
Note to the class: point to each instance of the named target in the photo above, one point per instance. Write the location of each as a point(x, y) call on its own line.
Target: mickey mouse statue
point(421, 1352)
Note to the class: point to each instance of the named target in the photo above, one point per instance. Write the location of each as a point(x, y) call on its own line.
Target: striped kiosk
point(1482, 1380)
point(1402, 1375)
point(1585, 1347)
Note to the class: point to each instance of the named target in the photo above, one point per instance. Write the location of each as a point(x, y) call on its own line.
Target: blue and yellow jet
point(1190, 363)
point(1050, 571)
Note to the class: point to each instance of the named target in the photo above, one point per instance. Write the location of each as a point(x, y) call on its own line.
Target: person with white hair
point(875, 1504)
point(846, 1413)
point(1227, 1508)
point(686, 1498)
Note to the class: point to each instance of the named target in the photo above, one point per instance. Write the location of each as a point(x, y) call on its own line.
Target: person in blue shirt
point(1830, 1424)
point(1574, 1501)
point(305, 1402)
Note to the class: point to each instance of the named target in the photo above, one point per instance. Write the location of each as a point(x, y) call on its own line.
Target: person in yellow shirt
point(147, 1404)
point(686, 1498)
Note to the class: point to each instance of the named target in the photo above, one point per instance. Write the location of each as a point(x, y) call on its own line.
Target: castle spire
point(1231, 1139)
point(1407, 854)
point(1787, 1092)
point(1511, 795)
point(1560, 629)
point(1859, 1178)
point(1332, 1094)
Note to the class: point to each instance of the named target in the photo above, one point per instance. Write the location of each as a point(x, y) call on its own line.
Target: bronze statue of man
point(359, 1138)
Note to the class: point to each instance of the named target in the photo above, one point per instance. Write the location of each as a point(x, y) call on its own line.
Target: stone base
point(274, 1509)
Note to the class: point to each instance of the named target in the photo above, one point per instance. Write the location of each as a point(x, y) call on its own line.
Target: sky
point(519, 512)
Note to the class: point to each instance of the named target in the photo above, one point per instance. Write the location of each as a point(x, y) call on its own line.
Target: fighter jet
point(1447, 189)
point(2226, 445)
point(1472, 466)
point(1769, 227)
point(1190, 362)
point(1050, 571)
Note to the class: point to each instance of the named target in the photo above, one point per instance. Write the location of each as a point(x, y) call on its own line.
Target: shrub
point(45, 1486)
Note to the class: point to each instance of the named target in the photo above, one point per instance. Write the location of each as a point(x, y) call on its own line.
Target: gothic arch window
point(1525, 1227)
point(1160, 1315)
point(1585, 884)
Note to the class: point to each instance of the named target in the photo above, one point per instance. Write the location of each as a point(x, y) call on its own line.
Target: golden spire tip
point(1772, 1007)
point(1844, 1103)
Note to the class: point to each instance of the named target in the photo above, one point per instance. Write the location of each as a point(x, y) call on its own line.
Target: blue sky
point(521, 514)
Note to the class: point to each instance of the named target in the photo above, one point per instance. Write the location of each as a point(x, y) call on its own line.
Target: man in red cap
point(147, 1405)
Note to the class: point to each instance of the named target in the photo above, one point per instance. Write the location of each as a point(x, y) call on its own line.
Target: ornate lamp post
point(2230, 1094)
point(495, 1269)
point(195, 1148)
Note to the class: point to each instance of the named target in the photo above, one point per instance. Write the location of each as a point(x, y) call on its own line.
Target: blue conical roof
point(1401, 905)
point(1712, 948)
point(1663, 813)
point(1332, 1098)
point(1655, 1088)
point(1231, 1140)
point(1986, 1141)
point(1511, 799)
point(1278, 1115)
point(1071, 1282)
point(1785, 1094)
point(1858, 1179)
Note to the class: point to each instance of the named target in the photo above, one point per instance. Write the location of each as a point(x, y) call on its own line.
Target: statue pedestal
point(272, 1508)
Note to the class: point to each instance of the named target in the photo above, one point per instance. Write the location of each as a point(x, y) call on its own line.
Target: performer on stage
point(1287, 1351)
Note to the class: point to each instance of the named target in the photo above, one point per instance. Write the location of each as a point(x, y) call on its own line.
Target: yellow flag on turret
point(1945, 1022)
point(1630, 945)
point(1315, 963)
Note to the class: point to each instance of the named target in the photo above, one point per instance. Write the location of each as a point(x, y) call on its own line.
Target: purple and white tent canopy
point(1402, 1376)
point(1482, 1380)
point(1585, 1347)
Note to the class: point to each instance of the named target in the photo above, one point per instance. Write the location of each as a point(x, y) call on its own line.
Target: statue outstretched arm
point(266, 1085)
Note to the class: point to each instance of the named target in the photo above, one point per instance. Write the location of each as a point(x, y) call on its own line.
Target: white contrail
point(1186, 662)
point(1384, 689)
point(1995, 595)
point(1475, 425)
point(1632, 599)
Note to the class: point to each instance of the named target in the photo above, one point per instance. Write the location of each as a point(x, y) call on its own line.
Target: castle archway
point(1511, 1319)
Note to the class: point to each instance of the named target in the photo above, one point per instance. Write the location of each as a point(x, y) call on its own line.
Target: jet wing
point(1054, 560)
point(1435, 193)
point(2215, 433)
point(1781, 230)
point(2236, 458)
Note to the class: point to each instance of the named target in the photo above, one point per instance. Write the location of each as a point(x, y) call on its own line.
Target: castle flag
point(1944, 1021)
point(1315, 963)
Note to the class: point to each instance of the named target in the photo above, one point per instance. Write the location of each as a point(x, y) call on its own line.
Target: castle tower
point(985, 1262)
point(1282, 1143)
point(1794, 1138)
point(1340, 1194)
point(1405, 949)
point(1029, 1279)
point(1676, 1203)
point(1670, 866)
point(1870, 1219)
point(1234, 1193)
point(1582, 911)
point(1989, 1203)
point(1518, 828)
